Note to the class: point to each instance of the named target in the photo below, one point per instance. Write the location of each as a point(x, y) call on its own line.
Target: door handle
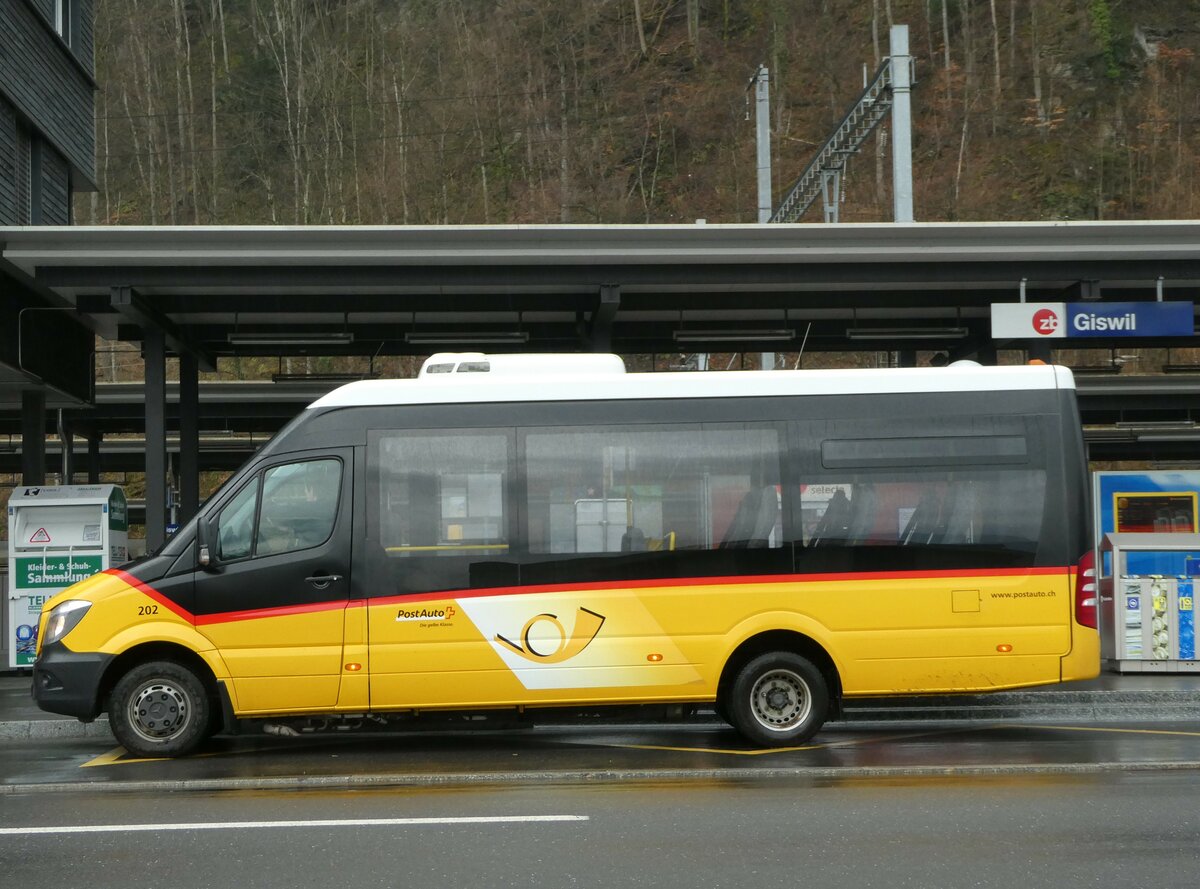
point(320, 581)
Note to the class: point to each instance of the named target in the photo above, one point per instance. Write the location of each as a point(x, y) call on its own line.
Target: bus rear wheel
point(159, 708)
point(778, 698)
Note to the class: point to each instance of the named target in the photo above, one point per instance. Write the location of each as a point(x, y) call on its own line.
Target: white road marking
point(242, 825)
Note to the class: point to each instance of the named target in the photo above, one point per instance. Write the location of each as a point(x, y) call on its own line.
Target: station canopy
point(631, 289)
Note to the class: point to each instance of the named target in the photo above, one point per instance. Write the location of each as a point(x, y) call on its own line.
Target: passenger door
point(273, 601)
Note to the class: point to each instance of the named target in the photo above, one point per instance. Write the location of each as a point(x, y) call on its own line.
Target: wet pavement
point(1113, 723)
point(602, 754)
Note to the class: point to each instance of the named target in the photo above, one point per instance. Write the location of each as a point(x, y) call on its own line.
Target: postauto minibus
point(510, 533)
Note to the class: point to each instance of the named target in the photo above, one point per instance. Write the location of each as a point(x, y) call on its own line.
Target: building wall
point(24, 159)
point(46, 7)
point(55, 204)
point(49, 87)
point(47, 151)
point(8, 165)
point(85, 51)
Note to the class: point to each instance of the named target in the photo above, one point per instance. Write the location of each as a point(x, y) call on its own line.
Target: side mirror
point(204, 556)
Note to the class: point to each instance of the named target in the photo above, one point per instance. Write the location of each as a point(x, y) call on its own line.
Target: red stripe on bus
point(226, 616)
point(147, 590)
point(278, 611)
point(660, 583)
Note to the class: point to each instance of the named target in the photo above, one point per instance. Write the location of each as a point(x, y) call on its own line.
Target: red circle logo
point(1045, 321)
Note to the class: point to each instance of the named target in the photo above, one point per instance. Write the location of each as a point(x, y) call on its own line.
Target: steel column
point(93, 443)
point(154, 350)
point(762, 110)
point(189, 438)
point(33, 437)
point(66, 454)
point(902, 178)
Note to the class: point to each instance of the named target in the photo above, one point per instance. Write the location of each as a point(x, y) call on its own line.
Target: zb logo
point(1045, 322)
point(555, 646)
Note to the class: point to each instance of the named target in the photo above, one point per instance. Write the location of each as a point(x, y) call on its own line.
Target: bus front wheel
point(160, 708)
point(778, 698)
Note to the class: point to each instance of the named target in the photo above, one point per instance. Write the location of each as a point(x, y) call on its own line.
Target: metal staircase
point(822, 177)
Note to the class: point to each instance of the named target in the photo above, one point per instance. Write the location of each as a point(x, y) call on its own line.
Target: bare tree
point(467, 52)
point(1035, 53)
point(564, 145)
point(640, 27)
point(693, 26)
point(282, 29)
point(996, 67)
point(185, 108)
point(946, 34)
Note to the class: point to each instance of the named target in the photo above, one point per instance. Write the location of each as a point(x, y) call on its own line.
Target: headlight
point(64, 618)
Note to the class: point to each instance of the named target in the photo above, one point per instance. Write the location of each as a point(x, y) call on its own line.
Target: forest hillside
point(609, 111)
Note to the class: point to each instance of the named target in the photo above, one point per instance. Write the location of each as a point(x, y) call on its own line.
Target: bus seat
point(739, 529)
point(755, 518)
point(666, 543)
point(765, 518)
point(861, 524)
point(633, 541)
point(922, 524)
point(831, 527)
point(961, 526)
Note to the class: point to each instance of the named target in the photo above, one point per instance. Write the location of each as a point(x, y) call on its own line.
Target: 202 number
point(147, 609)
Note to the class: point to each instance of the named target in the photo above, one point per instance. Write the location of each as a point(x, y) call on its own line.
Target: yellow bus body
point(886, 635)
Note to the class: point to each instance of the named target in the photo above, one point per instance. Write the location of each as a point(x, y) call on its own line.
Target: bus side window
point(623, 490)
point(235, 526)
point(438, 511)
point(299, 506)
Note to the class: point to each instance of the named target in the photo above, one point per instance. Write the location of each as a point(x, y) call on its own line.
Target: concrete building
point(47, 155)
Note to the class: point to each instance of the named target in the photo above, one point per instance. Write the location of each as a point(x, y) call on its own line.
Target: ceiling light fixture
point(450, 337)
point(323, 377)
point(318, 338)
point(907, 333)
point(780, 335)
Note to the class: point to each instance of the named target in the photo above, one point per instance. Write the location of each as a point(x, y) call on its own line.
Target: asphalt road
point(1138, 829)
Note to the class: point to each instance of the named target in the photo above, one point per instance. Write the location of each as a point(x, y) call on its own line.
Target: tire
point(160, 708)
point(778, 699)
point(722, 710)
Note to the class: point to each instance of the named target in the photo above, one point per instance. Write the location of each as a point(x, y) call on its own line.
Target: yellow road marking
point(113, 758)
point(119, 756)
point(712, 749)
point(1088, 728)
point(826, 746)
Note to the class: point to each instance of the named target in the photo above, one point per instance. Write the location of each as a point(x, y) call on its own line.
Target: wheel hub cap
point(158, 711)
point(780, 700)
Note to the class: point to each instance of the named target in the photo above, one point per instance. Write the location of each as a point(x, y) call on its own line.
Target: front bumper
point(68, 682)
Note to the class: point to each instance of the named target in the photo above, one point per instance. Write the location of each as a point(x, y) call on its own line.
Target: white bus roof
point(562, 384)
point(522, 363)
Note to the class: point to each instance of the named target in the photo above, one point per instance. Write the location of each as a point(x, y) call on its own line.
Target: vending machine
point(1147, 621)
point(57, 536)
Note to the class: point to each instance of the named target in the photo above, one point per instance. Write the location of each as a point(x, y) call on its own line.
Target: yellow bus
point(511, 533)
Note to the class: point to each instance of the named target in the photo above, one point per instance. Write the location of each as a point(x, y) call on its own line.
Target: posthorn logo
point(1045, 322)
point(551, 643)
